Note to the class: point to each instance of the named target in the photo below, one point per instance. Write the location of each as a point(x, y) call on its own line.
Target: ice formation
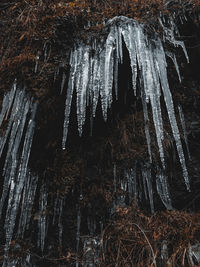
point(18, 111)
point(163, 189)
point(182, 119)
point(94, 72)
point(26, 261)
point(57, 215)
point(93, 76)
point(42, 224)
point(91, 251)
point(133, 181)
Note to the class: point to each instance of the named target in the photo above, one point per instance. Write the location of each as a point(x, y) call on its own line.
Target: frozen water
point(163, 189)
point(42, 217)
point(94, 70)
point(182, 119)
point(18, 183)
point(57, 216)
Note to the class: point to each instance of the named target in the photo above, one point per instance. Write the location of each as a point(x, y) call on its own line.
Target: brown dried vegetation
point(134, 239)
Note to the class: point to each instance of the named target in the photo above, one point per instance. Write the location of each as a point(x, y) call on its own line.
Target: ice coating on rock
point(94, 70)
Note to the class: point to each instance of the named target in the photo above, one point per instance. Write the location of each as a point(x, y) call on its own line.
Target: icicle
point(42, 227)
point(96, 82)
point(56, 72)
point(11, 97)
point(27, 203)
point(129, 38)
point(17, 121)
point(116, 77)
point(146, 121)
point(19, 261)
point(169, 35)
point(147, 182)
point(78, 228)
point(55, 209)
point(92, 73)
point(7, 102)
point(118, 37)
point(180, 43)
point(132, 183)
point(150, 190)
point(106, 90)
point(91, 251)
point(73, 63)
point(17, 129)
point(194, 253)
point(173, 58)
point(17, 183)
point(58, 210)
point(4, 107)
point(36, 62)
point(164, 252)
point(45, 50)
point(144, 181)
point(182, 118)
point(161, 62)
point(20, 114)
point(63, 82)
point(151, 87)
point(81, 87)
point(14, 110)
point(162, 189)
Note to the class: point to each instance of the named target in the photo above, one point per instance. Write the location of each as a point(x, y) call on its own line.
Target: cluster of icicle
point(19, 186)
point(25, 262)
point(137, 183)
point(94, 73)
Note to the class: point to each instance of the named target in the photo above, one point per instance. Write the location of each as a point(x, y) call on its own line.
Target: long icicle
point(94, 72)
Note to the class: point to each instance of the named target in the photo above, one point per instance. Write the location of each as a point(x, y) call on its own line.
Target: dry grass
point(134, 239)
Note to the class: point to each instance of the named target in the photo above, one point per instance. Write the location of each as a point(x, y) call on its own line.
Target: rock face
point(100, 134)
